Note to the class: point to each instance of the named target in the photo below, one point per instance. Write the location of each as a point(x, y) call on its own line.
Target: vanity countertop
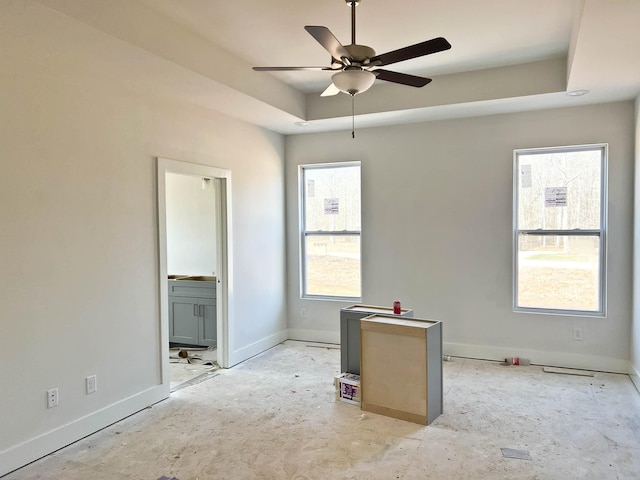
point(193, 278)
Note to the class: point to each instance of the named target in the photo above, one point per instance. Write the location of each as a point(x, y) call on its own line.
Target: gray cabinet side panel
point(434, 372)
point(344, 337)
point(353, 345)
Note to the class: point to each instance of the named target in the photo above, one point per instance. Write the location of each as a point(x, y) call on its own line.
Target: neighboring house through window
point(330, 230)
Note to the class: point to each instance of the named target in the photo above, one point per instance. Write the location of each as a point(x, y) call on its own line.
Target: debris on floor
point(525, 362)
point(192, 358)
point(513, 453)
point(328, 346)
point(569, 371)
point(167, 478)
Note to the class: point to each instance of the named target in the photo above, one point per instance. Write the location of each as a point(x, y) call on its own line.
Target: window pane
point(332, 199)
point(559, 272)
point(559, 190)
point(333, 265)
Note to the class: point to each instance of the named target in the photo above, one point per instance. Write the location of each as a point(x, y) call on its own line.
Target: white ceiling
point(559, 45)
point(484, 33)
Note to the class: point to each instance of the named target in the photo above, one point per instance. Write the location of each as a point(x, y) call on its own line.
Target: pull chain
point(353, 114)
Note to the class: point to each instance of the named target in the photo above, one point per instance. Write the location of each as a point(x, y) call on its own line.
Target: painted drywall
point(437, 231)
point(78, 228)
point(191, 225)
point(634, 364)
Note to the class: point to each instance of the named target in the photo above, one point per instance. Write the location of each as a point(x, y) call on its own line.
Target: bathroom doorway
point(193, 211)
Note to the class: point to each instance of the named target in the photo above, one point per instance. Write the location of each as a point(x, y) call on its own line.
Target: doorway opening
point(194, 238)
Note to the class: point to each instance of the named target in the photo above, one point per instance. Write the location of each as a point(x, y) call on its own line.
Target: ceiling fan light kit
point(353, 81)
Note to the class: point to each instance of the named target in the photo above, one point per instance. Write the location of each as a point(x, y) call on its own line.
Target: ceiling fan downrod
point(353, 4)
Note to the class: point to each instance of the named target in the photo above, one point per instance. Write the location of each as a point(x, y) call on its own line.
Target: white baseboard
point(555, 359)
point(538, 357)
point(240, 355)
point(321, 336)
point(30, 450)
point(634, 373)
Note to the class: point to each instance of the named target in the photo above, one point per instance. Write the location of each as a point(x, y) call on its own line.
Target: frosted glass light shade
point(353, 81)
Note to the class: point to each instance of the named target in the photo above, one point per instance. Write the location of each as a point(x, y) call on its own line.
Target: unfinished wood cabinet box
point(401, 367)
point(350, 332)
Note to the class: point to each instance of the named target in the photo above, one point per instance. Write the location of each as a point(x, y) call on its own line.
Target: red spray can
point(396, 308)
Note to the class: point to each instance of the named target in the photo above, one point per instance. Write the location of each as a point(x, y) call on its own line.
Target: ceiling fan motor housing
point(360, 54)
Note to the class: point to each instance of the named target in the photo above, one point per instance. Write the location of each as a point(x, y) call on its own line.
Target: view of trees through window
point(331, 230)
point(560, 229)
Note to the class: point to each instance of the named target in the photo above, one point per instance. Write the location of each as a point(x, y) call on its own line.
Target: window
point(330, 230)
point(559, 230)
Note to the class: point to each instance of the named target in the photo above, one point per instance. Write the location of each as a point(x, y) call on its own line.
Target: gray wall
point(78, 229)
point(437, 231)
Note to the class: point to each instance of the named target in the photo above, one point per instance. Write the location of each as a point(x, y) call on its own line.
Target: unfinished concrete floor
point(275, 417)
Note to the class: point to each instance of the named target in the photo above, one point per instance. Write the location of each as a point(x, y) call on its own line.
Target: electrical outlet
point(52, 398)
point(92, 384)
point(578, 334)
point(303, 312)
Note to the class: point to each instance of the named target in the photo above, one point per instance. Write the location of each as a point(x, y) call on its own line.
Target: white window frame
point(305, 233)
point(601, 232)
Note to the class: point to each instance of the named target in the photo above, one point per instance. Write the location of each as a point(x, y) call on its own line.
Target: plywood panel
point(396, 372)
point(401, 367)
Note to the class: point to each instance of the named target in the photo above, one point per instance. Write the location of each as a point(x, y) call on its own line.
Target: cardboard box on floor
point(348, 388)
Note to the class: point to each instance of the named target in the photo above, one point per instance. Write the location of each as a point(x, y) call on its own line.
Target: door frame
point(222, 179)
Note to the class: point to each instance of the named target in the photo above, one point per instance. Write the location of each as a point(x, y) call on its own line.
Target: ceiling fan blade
point(418, 50)
point(325, 38)
point(330, 91)
point(402, 78)
point(283, 69)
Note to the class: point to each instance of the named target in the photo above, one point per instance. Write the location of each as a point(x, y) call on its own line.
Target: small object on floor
point(183, 354)
point(348, 388)
point(569, 371)
point(513, 453)
point(525, 362)
point(199, 361)
point(327, 346)
point(446, 358)
point(167, 478)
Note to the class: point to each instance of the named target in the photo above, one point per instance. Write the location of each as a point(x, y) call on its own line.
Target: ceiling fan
point(356, 65)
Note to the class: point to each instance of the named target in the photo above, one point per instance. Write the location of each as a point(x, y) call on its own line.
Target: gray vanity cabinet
point(350, 333)
point(192, 312)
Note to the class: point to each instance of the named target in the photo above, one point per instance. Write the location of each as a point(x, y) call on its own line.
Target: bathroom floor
point(199, 363)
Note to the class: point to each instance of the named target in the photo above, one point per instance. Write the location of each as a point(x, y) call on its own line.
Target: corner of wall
point(239, 355)
point(634, 364)
point(634, 374)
